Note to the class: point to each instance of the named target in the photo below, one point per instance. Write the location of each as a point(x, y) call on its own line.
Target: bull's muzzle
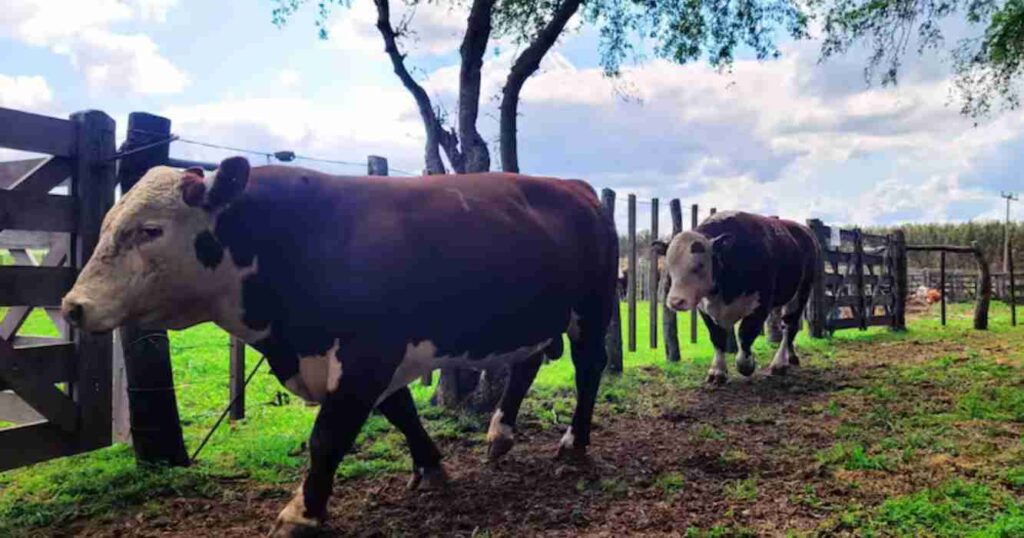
point(679, 304)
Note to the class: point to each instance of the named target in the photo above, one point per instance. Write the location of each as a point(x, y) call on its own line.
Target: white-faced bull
point(352, 287)
point(739, 266)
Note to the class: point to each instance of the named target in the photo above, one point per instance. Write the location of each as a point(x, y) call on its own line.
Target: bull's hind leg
point(786, 355)
point(717, 374)
point(589, 358)
point(501, 434)
point(750, 329)
point(400, 410)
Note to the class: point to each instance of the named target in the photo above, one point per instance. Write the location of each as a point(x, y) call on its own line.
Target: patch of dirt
point(742, 456)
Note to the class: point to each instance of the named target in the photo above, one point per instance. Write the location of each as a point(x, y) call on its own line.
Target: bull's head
point(156, 263)
point(690, 260)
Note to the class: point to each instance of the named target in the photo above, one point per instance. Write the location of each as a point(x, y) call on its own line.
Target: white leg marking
point(498, 429)
point(293, 513)
point(568, 440)
point(781, 361)
point(718, 364)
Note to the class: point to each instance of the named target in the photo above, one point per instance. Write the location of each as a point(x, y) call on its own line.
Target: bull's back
point(474, 263)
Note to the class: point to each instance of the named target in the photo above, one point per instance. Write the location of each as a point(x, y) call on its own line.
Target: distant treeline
point(989, 236)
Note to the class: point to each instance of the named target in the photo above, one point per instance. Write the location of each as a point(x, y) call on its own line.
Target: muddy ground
point(742, 459)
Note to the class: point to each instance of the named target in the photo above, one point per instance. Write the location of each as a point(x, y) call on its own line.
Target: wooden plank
point(48, 363)
point(14, 409)
point(32, 132)
point(613, 338)
point(670, 325)
point(48, 174)
point(693, 310)
point(843, 323)
point(11, 171)
point(32, 443)
point(631, 280)
point(17, 315)
point(942, 284)
point(93, 183)
point(872, 259)
point(28, 240)
point(652, 278)
point(237, 384)
point(34, 286)
point(40, 212)
point(120, 420)
point(22, 376)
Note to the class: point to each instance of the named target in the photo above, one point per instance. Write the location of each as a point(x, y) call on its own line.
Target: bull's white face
point(688, 262)
point(145, 268)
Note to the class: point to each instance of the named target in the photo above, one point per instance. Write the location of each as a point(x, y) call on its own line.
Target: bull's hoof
point(746, 368)
point(716, 378)
point(293, 530)
point(428, 479)
point(498, 447)
point(779, 369)
point(571, 453)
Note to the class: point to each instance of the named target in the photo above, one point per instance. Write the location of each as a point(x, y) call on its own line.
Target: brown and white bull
point(354, 286)
point(738, 267)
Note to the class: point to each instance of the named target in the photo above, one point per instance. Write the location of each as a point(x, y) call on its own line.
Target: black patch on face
point(209, 251)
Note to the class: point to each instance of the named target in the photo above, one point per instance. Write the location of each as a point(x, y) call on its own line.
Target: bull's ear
point(722, 243)
point(228, 182)
point(659, 247)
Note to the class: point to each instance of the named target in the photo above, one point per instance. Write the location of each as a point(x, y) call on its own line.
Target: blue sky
point(788, 137)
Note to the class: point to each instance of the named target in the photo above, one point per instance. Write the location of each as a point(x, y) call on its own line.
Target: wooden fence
point(56, 390)
point(862, 282)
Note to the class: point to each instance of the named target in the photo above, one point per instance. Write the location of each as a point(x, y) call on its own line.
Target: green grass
point(265, 447)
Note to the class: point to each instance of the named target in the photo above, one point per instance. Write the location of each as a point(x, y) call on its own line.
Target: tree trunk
point(434, 130)
point(474, 44)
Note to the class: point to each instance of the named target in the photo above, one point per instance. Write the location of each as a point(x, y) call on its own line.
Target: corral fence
point(56, 390)
point(863, 281)
point(961, 286)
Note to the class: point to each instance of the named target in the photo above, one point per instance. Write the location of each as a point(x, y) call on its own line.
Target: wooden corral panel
point(56, 389)
point(859, 284)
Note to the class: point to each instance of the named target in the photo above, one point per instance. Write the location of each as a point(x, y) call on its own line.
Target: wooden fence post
point(900, 291)
point(652, 279)
point(92, 186)
point(155, 424)
point(984, 292)
point(693, 309)
point(816, 304)
point(1012, 284)
point(631, 279)
point(942, 285)
point(670, 327)
point(376, 166)
point(858, 260)
point(613, 338)
point(237, 389)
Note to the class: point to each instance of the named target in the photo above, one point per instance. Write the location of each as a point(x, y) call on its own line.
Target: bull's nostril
point(74, 313)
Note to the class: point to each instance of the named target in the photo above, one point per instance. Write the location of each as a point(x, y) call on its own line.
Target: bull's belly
point(423, 357)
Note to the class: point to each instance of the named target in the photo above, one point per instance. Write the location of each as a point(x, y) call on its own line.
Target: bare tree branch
point(431, 124)
point(526, 65)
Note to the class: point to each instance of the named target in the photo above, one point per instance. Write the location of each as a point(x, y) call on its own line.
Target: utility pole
point(1010, 197)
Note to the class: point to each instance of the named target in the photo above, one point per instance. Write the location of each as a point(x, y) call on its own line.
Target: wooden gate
point(63, 381)
point(862, 282)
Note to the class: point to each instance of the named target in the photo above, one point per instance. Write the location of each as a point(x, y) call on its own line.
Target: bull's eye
point(150, 233)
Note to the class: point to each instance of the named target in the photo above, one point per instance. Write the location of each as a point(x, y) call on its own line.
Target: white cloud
point(28, 93)
point(288, 78)
point(376, 121)
point(80, 30)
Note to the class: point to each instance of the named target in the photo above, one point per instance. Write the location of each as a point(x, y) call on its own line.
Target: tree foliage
point(988, 234)
point(987, 67)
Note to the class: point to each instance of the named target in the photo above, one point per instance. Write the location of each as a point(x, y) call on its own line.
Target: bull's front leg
point(342, 414)
point(750, 329)
point(717, 375)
